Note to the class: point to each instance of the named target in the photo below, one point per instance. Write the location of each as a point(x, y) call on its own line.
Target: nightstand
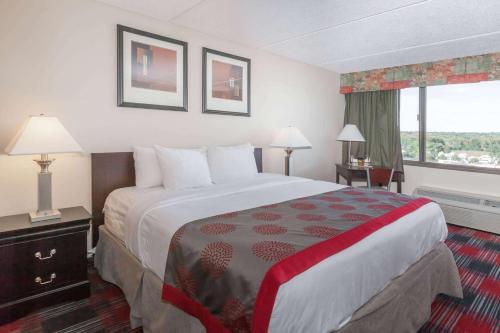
point(42, 263)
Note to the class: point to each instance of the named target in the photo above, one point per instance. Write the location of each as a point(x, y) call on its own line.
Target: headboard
point(114, 170)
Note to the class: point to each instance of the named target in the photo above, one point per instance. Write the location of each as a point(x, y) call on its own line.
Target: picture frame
point(226, 80)
point(152, 71)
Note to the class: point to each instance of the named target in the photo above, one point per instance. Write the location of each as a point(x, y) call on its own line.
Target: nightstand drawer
point(42, 264)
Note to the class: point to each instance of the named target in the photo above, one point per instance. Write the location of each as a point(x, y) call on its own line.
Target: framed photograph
point(152, 71)
point(226, 83)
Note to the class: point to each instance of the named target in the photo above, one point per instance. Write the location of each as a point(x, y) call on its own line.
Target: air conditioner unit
point(470, 210)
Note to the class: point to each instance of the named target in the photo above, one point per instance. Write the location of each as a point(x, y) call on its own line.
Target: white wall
point(456, 180)
point(59, 58)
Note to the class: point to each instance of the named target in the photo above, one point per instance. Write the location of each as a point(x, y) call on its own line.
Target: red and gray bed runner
point(226, 270)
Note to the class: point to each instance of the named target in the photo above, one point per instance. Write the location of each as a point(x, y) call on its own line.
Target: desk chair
point(379, 178)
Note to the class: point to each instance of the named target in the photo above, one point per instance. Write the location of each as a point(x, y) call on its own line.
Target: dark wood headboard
point(114, 170)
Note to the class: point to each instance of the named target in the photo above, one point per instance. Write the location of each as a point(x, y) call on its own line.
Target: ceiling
point(341, 35)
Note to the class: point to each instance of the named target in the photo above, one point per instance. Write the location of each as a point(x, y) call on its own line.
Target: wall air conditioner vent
point(471, 210)
point(492, 203)
point(449, 196)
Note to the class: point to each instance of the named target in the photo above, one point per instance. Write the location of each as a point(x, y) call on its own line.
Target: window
point(459, 126)
point(409, 124)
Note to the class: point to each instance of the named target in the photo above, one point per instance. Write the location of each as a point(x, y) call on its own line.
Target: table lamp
point(350, 134)
point(290, 138)
point(43, 135)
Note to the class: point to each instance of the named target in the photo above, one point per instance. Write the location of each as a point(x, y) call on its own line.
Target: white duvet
point(321, 299)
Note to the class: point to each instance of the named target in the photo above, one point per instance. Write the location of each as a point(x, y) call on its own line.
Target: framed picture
point(226, 83)
point(152, 71)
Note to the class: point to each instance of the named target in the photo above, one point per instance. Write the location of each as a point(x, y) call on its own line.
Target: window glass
point(409, 124)
point(463, 124)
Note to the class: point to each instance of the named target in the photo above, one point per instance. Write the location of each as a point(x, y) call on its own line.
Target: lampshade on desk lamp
point(290, 138)
point(350, 134)
point(43, 135)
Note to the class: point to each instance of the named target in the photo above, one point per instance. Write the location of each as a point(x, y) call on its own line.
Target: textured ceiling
point(340, 35)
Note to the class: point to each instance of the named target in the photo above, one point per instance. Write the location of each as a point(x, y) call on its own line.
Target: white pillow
point(147, 168)
point(231, 163)
point(183, 168)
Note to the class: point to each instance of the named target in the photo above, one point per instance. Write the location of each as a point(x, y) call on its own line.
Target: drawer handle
point(39, 255)
point(39, 279)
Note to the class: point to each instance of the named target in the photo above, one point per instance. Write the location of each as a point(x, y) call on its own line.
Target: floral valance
point(459, 70)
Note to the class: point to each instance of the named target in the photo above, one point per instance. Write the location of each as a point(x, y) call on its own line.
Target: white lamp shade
point(350, 133)
point(291, 137)
point(42, 135)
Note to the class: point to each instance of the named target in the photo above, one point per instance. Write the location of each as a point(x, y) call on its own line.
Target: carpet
point(477, 254)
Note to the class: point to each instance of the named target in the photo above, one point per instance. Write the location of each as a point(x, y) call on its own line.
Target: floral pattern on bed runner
point(216, 265)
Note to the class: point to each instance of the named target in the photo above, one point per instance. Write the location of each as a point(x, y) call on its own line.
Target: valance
point(459, 70)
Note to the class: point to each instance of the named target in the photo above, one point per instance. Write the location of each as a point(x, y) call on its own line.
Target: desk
point(358, 173)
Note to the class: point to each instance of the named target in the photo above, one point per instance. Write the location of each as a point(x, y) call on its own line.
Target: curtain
point(376, 113)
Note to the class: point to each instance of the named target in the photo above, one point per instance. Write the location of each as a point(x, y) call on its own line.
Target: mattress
point(147, 220)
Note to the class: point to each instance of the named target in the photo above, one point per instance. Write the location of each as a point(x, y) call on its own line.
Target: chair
point(380, 178)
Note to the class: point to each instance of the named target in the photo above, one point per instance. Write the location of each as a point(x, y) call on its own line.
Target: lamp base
point(45, 215)
point(288, 152)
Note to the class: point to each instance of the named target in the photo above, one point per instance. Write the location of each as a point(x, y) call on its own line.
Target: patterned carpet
point(478, 259)
point(477, 254)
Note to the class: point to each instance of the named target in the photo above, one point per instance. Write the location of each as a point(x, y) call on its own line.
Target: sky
point(472, 107)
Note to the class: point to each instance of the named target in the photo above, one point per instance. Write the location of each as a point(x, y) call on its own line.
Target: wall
point(456, 180)
point(59, 58)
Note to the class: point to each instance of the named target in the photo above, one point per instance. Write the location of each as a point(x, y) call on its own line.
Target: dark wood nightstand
point(42, 263)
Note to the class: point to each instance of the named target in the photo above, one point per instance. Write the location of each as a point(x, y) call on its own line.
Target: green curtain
point(376, 113)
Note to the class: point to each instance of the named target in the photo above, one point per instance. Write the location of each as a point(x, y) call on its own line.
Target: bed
point(385, 281)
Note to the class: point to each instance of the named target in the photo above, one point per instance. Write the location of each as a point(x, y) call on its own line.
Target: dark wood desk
point(358, 173)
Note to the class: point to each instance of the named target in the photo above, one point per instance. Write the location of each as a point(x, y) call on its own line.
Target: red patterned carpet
point(477, 254)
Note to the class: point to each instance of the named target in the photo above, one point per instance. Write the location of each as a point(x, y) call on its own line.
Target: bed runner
point(226, 270)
